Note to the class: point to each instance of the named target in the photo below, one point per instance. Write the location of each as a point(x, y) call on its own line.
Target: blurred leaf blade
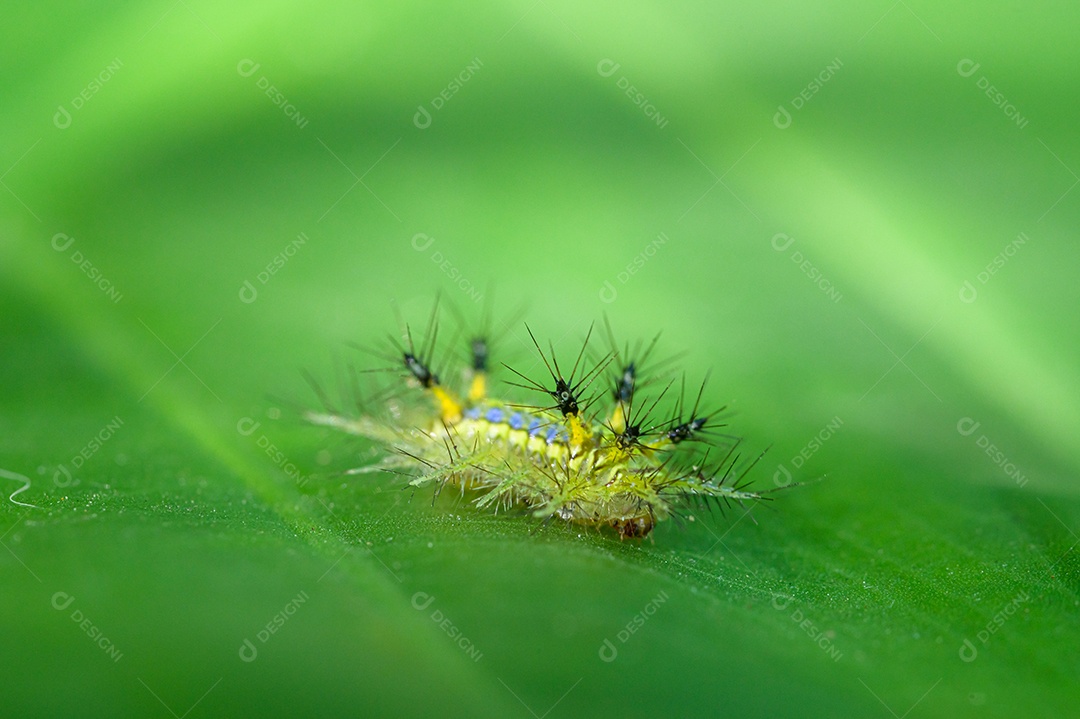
point(181, 537)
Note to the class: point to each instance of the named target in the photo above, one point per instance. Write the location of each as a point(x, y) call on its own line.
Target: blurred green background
point(860, 219)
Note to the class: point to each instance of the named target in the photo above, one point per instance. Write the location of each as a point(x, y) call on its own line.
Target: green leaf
point(240, 191)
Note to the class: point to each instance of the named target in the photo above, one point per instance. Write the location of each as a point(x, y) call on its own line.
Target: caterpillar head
point(634, 527)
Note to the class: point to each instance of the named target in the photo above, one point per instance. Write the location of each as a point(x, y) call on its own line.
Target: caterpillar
point(612, 463)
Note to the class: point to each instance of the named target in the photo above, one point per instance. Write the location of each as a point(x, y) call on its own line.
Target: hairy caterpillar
point(614, 465)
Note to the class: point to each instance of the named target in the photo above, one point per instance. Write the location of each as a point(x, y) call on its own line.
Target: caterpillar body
point(614, 466)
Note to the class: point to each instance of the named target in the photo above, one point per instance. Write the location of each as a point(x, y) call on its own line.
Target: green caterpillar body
point(559, 461)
